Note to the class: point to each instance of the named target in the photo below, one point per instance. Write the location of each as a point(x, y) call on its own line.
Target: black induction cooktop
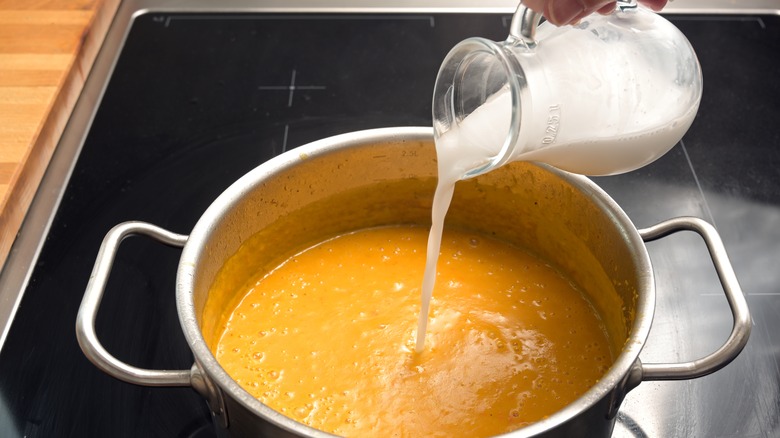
point(193, 100)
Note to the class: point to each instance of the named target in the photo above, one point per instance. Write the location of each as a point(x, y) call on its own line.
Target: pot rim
point(614, 378)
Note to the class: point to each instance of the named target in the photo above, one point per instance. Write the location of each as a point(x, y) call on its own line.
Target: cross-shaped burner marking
point(291, 88)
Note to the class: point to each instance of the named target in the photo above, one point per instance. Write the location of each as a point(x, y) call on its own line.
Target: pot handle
point(85, 321)
point(740, 330)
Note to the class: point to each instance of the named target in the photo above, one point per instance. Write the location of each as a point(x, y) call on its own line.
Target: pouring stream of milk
point(459, 150)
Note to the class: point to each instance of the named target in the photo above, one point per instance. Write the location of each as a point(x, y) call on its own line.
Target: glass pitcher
point(606, 96)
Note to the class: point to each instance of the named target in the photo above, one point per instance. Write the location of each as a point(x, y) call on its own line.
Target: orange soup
point(328, 337)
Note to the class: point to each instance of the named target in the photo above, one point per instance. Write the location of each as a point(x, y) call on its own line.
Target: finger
point(562, 12)
point(535, 5)
point(655, 5)
point(607, 9)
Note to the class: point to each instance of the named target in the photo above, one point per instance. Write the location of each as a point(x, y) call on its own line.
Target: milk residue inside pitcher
point(605, 97)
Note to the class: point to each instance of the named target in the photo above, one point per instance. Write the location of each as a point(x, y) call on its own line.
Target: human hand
point(562, 12)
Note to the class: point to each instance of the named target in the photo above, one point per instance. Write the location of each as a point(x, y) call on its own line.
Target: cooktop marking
point(284, 140)
point(325, 16)
point(291, 88)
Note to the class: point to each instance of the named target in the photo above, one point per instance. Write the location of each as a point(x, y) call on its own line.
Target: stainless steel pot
point(387, 176)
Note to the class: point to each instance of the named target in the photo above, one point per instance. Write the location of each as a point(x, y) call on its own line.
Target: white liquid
point(577, 148)
point(441, 203)
point(457, 154)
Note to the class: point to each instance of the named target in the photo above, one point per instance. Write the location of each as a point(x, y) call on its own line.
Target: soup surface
point(328, 337)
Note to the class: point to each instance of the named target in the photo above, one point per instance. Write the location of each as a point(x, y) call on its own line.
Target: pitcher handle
point(742, 325)
point(524, 23)
point(85, 321)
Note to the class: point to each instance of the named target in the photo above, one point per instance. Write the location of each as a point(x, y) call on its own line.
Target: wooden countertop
point(47, 48)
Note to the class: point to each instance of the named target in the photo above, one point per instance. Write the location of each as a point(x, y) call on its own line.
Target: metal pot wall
point(387, 176)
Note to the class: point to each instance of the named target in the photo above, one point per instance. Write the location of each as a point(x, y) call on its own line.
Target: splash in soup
point(328, 337)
